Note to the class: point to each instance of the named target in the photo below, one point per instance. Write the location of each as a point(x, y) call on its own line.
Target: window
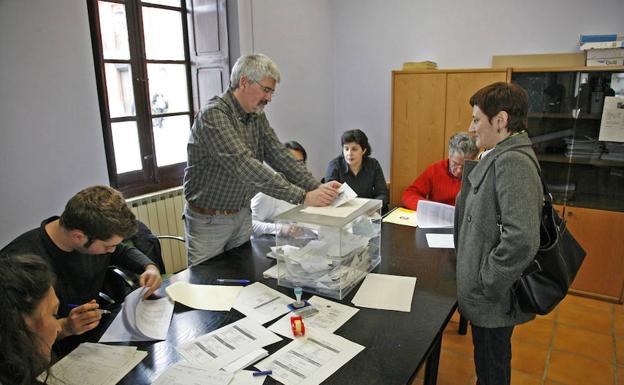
point(156, 62)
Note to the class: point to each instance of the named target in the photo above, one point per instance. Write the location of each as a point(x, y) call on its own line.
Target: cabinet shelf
point(558, 158)
point(562, 115)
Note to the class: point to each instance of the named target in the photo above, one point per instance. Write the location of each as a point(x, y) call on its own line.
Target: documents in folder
point(204, 297)
point(402, 216)
point(94, 364)
point(434, 214)
point(140, 319)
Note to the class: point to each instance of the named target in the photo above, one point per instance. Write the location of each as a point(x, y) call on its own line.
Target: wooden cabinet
point(427, 108)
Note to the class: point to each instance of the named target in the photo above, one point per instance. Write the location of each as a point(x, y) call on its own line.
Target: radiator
point(162, 213)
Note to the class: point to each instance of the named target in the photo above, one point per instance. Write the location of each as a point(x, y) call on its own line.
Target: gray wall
point(335, 56)
point(51, 142)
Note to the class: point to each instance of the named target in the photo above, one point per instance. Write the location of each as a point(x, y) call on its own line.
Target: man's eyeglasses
point(265, 89)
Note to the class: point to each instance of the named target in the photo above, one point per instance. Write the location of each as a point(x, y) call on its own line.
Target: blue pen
point(263, 373)
point(227, 280)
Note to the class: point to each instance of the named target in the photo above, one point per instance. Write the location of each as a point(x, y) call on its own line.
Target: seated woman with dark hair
point(441, 181)
point(29, 325)
point(356, 168)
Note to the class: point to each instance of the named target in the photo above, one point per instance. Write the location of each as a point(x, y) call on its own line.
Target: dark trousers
point(492, 355)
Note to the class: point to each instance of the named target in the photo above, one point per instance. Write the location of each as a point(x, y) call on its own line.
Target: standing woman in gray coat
point(490, 258)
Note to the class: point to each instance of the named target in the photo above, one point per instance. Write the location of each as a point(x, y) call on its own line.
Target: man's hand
point(324, 195)
point(81, 319)
point(150, 279)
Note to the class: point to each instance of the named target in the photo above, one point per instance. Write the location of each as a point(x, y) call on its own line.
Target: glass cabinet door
point(576, 135)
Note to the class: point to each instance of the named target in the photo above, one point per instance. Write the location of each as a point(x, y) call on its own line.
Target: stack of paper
point(261, 303)
point(204, 297)
point(615, 151)
point(94, 364)
point(140, 320)
point(387, 292)
point(420, 65)
point(583, 148)
point(434, 214)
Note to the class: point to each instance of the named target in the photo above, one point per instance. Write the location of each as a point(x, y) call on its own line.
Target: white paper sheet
point(612, 123)
point(440, 241)
point(183, 373)
point(271, 272)
point(434, 214)
point(204, 297)
point(246, 360)
point(261, 303)
point(387, 292)
point(311, 359)
point(342, 212)
point(94, 364)
point(330, 316)
point(246, 377)
point(140, 320)
point(227, 344)
point(402, 216)
point(345, 194)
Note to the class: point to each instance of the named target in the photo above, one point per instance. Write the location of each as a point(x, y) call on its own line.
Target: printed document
point(183, 373)
point(342, 211)
point(402, 216)
point(440, 241)
point(204, 297)
point(310, 359)
point(261, 303)
point(387, 292)
point(434, 214)
point(329, 316)
point(612, 123)
point(94, 364)
point(246, 360)
point(227, 344)
point(140, 319)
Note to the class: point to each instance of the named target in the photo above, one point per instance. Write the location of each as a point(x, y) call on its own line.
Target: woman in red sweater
point(441, 181)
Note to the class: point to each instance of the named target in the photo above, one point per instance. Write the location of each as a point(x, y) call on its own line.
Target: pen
point(227, 280)
point(263, 373)
point(102, 311)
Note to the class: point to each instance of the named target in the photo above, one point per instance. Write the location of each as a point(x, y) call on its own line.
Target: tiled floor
point(580, 343)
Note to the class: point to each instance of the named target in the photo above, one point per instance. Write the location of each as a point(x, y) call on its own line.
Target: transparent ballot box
point(328, 255)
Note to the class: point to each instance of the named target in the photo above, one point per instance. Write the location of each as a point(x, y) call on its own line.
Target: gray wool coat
point(489, 259)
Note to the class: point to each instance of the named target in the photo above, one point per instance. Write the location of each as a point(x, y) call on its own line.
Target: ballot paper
point(140, 319)
point(183, 373)
point(261, 303)
point(329, 316)
point(342, 211)
point(246, 377)
point(311, 359)
point(402, 216)
point(227, 344)
point(434, 214)
point(387, 292)
point(246, 360)
point(440, 241)
point(272, 272)
point(345, 194)
point(204, 297)
point(94, 364)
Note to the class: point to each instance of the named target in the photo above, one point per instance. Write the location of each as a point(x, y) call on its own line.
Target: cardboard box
point(605, 62)
point(610, 53)
point(540, 60)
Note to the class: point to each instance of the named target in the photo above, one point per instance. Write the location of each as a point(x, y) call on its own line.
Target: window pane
point(119, 87)
point(163, 34)
point(114, 30)
point(168, 89)
point(171, 3)
point(126, 144)
point(170, 138)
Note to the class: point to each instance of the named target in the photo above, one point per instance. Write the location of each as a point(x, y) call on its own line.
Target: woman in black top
point(356, 168)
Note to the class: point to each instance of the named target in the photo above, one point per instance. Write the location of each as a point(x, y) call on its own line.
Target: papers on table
point(434, 214)
point(387, 292)
point(330, 316)
point(402, 216)
point(227, 344)
point(440, 241)
point(183, 373)
point(140, 320)
point(345, 194)
point(246, 360)
point(246, 377)
point(94, 364)
point(204, 297)
point(311, 359)
point(342, 212)
point(261, 303)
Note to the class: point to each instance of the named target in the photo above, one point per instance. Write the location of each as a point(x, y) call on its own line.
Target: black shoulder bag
point(546, 280)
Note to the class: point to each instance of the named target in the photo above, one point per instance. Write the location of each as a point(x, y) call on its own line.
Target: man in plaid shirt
point(229, 141)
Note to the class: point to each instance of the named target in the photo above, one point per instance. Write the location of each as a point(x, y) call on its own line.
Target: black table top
point(396, 343)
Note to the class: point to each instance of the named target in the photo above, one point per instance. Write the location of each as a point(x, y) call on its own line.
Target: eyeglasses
point(265, 89)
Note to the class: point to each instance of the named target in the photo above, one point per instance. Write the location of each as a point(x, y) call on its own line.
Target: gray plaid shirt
point(226, 149)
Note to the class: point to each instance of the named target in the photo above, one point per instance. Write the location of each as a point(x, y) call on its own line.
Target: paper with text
point(387, 292)
point(431, 214)
point(204, 297)
point(183, 373)
point(402, 216)
point(261, 303)
point(612, 123)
